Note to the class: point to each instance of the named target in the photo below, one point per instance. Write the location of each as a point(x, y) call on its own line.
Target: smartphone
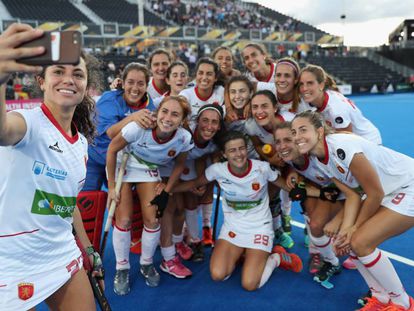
point(61, 47)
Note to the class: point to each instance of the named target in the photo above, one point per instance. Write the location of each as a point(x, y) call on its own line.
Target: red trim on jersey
point(52, 119)
point(18, 233)
point(249, 168)
point(325, 102)
point(325, 146)
point(372, 263)
point(199, 96)
point(155, 87)
point(353, 257)
point(283, 102)
point(305, 166)
point(280, 117)
point(269, 77)
point(168, 93)
point(154, 135)
point(199, 145)
point(143, 103)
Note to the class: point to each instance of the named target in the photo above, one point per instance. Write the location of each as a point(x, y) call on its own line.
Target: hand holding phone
point(10, 52)
point(61, 47)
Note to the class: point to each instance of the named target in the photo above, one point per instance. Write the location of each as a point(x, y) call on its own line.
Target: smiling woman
point(39, 255)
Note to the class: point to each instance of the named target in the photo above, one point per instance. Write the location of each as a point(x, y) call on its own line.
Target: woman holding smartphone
point(45, 148)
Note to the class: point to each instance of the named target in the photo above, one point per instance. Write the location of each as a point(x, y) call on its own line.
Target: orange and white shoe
point(373, 304)
point(395, 307)
point(288, 261)
point(207, 236)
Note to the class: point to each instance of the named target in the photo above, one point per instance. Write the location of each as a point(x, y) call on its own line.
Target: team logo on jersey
point(55, 147)
point(340, 169)
point(339, 120)
point(341, 153)
point(45, 203)
point(232, 234)
point(25, 290)
point(255, 186)
point(171, 153)
point(186, 171)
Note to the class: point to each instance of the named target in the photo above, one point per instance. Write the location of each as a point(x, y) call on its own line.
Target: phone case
point(62, 47)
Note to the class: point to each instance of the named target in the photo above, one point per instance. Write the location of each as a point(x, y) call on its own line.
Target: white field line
point(396, 257)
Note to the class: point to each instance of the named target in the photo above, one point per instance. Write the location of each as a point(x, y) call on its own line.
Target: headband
point(286, 62)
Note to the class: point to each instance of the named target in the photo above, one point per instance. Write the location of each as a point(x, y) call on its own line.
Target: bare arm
point(188, 185)
point(12, 125)
point(80, 229)
point(143, 117)
point(352, 204)
point(177, 171)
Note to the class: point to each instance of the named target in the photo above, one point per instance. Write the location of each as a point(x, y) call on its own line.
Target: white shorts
point(401, 200)
point(261, 238)
point(137, 172)
point(26, 292)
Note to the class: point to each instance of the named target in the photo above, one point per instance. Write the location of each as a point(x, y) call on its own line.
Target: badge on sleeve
point(25, 290)
point(341, 153)
point(339, 120)
point(171, 153)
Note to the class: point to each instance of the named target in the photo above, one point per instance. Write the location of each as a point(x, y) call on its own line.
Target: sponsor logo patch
point(45, 203)
point(25, 290)
point(339, 120)
point(341, 153)
point(40, 168)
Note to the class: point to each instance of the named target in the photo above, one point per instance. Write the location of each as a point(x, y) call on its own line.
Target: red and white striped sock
point(149, 242)
point(121, 240)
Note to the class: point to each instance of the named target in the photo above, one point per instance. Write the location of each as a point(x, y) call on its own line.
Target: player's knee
point(316, 227)
point(151, 223)
point(123, 223)
point(217, 273)
point(249, 284)
point(360, 246)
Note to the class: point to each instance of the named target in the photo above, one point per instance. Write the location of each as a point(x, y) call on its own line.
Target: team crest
point(186, 171)
point(232, 234)
point(25, 290)
point(171, 153)
point(340, 169)
point(255, 186)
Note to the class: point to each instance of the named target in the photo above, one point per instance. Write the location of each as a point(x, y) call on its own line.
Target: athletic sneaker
point(207, 236)
point(283, 239)
point(175, 268)
point(395, 307)
point(362, 301)
point(288, 261)
point(286, 224)
point(151, 275)
point(183, 250)
point(198, 251)
point(121, 282)
point(327, 271)
point(315, 263)
point(349, 264)
point(373, 304)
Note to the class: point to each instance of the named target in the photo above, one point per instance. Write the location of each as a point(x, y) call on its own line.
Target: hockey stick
point(216, 211)
point(112, 206)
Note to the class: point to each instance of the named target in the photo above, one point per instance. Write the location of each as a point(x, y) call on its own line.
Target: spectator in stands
point(130, 102)
point(39, 256)
point(223, 56)
point(259, 65)
point(159, 61)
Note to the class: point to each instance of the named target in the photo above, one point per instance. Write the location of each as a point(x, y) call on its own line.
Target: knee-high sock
point(149, 242)
point(121, 240)
point(206, 210)
point(376, 289)
point(273, 261)
point(381, 268)
point(191, 219)
point(324, 246)
point(285, 202)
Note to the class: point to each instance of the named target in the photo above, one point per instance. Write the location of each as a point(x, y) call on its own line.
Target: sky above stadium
point(367, 22)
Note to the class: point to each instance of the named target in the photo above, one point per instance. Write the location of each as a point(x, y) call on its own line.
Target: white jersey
point(284, 105)
point(312, 170)
point(148, 150)
point(40, 180)
point(266, 137)
point(395, 170)
point(269, 78)
point(245, 198)
point(152, 89)
point(339, 112)
point(196, 101)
